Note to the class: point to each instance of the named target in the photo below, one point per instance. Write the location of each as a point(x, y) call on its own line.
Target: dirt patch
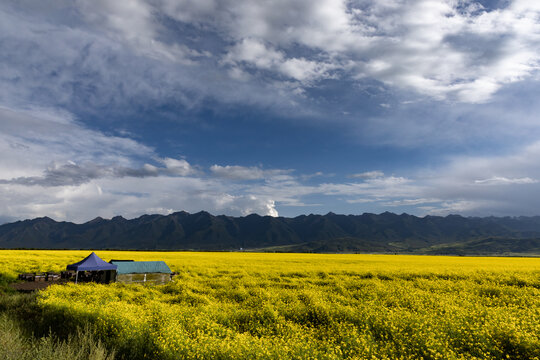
point(29, 286)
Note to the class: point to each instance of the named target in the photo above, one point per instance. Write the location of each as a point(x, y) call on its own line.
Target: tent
point(91, 263)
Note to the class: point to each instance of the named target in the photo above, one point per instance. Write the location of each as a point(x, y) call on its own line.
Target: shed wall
point(151, 278)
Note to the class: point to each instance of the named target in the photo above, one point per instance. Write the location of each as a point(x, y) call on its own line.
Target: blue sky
point(275, 107)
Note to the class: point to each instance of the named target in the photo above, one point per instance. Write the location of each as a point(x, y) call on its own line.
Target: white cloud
point(110, 52)
point(480, 186)
point(235, 172)
point(293, 191)
point(437, 48)
point(483, 185)
point(368, 175)
point(129, 197)
point(178, 166)
point(411, 202)
point(101, 58)
point(496, 180)
point(376, 188)
point(31, 141)
point(52, 165)
point(134, 22)
point(254, 52)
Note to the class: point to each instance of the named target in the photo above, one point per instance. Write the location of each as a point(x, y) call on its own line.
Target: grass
point(18, 341)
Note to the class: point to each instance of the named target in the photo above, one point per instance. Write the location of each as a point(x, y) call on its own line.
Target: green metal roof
point(141, 267)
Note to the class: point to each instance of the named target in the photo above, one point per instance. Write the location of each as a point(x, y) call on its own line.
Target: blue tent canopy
point(91, 263)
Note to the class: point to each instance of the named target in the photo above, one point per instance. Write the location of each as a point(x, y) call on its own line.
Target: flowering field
point(303, 306)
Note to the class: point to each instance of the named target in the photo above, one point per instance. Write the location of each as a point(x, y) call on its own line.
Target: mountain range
point(330, 233)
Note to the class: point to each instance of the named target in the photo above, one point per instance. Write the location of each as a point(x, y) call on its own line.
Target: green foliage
point(16, 345)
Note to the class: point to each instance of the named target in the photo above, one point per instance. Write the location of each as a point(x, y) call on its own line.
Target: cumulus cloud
point(444, 49)
point(103, 56)
point(255, 53)
point(450, 50)
point(178, 166)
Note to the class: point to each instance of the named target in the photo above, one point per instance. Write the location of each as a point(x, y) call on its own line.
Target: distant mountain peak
point(386, 232)
point(44, 219)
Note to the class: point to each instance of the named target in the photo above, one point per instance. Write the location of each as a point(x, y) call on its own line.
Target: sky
point(279, 108)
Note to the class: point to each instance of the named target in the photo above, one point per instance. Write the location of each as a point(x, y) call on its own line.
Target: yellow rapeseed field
point(303, 306)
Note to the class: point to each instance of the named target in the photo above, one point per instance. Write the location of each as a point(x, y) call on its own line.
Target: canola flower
point(304, 306)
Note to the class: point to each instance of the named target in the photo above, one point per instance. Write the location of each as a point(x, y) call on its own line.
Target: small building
point(152, 272)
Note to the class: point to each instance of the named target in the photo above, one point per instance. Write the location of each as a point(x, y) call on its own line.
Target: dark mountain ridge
point(386, 232)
